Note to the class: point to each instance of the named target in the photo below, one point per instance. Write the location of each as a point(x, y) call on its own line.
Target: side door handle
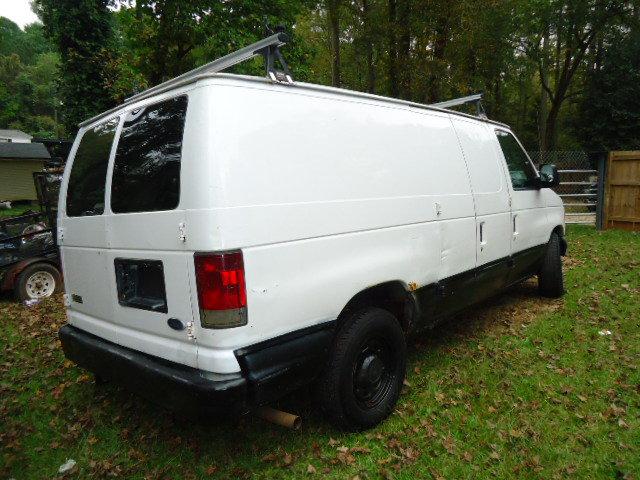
point(483, 240)
point(515, 228)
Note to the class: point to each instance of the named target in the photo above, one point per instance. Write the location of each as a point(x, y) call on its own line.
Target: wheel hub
point(370, 371)
point(40, 284)
point(372, 375)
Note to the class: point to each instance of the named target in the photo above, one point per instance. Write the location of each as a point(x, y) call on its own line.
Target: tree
point(28, 73)
point(333, 17)
point(572, 26)
point(609, 113)
point(82, 31)
point(164, 38)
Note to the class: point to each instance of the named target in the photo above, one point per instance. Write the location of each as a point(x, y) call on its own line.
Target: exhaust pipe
point(279, 417)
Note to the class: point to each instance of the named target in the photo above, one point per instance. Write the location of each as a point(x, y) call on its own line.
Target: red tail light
point(220, 279)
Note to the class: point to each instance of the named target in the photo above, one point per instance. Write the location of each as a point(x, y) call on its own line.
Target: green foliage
point(168, 37)
point(83, 34)
point(609, 114)
point(28, 74)
point(26, 44)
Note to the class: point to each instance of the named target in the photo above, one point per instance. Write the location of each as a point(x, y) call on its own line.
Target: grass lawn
point(18, 210)
point(520, 387)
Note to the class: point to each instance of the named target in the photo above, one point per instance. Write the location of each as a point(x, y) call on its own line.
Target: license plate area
point(141, 284)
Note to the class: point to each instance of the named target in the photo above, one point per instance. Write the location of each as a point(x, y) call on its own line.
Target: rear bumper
point(178, 387)
point(270, 370)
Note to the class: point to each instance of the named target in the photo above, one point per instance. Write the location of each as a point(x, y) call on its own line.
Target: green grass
point(519, 387)
point(18, 210)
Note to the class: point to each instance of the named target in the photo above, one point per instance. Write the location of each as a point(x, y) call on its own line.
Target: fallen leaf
point(211, 469)
point(360, 450)
point(311, 469)
point(448, 444)
point(270, 457)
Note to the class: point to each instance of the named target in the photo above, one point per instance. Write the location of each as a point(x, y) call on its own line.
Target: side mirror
point(549, 176)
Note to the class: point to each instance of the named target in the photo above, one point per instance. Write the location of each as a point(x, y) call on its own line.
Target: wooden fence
point(622, 204)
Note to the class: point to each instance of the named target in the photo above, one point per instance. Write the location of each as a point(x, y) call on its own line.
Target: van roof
point(296, 85)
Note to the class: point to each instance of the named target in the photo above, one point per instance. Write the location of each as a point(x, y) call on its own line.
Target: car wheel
point(365, 371)
point(38, 281)
point(550, 277)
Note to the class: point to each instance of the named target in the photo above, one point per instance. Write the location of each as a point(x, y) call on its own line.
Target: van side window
point(146, 170)
point(85, 190)
point(521, 171)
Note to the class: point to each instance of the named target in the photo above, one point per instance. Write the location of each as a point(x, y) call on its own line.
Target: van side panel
point(491, 198)
point(327, 197)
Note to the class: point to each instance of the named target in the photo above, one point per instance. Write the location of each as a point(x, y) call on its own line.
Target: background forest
point(564, 74)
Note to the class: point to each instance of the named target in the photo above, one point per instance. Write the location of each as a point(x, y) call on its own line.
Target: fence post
point(602, 176)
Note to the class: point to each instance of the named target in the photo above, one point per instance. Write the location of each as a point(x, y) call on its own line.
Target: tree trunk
point(550, 127)
point(334, 28)
point(439, 48)
point(544, 95)
point(393, 50)
point(366, 20)
point(404, 45)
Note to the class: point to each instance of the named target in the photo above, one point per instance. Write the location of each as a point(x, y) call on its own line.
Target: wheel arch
point(392, 296)
point(560, 230)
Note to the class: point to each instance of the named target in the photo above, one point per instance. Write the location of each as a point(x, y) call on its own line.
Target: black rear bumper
point(270, 370)
point(178, 387)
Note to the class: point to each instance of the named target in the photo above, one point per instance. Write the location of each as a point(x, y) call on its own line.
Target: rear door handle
point(515, 228)
point(483, 240)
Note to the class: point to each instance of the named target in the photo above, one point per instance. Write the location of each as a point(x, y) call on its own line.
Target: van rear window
point(146, 170)
point(85, 190)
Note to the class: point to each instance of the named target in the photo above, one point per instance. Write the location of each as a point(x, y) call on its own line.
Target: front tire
point(365, 372)
point(550, 277)
point(38, 281)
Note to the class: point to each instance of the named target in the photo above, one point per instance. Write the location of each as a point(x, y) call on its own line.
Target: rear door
point(82, 236)
point(147, 260)
point(125, 260)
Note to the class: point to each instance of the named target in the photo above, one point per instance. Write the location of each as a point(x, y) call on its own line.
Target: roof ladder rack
point(268, 47)
point(476, 98)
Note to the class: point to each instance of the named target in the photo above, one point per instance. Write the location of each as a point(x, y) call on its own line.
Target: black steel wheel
point(363, 378)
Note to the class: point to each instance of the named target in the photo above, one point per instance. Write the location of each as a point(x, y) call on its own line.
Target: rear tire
point(550, 277)
point(365, 372)
point(38, 281)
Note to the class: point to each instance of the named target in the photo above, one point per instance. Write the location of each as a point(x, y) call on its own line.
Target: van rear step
point(172, 385)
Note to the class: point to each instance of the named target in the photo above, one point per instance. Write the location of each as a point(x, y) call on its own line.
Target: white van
point(228, 239)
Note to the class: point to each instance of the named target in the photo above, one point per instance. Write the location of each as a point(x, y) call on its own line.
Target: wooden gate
point(622, 207)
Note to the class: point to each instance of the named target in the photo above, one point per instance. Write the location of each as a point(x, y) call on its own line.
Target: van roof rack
point(268, 47)
point(475, 98)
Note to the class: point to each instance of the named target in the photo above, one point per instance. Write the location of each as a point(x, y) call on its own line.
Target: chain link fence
point(581, 182)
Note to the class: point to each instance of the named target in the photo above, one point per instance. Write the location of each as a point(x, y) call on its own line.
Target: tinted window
point(520, 169)
point(146, 172)
point(85, 191)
